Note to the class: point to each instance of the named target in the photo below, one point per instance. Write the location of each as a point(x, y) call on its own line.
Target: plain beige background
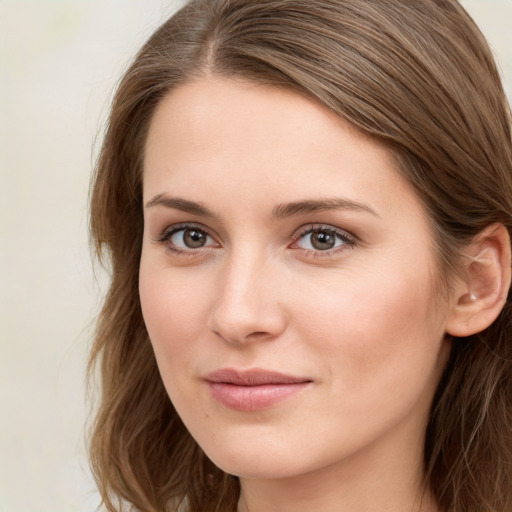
point(59, 63)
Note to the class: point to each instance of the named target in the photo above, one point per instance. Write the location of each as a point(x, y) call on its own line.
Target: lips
point(254, 389)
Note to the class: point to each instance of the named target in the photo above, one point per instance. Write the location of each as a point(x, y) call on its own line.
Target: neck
point(348, 493)
point(378, 480)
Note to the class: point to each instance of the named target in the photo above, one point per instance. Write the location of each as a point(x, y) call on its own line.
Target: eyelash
point(168, 232)
point(348, 240)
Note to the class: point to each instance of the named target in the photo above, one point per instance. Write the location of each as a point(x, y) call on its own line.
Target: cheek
point(379, 343)
point(375, 328)
point(173, 307)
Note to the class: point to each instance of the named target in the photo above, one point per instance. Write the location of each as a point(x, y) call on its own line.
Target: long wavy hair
point(415, 74)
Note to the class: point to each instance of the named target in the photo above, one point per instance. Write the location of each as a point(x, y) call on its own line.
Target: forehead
point(263, 145)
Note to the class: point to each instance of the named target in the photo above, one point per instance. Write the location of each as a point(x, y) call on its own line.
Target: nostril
point(237, 337)
point(257, 335)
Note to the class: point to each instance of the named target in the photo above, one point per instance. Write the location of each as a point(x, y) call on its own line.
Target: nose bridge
point(246, 306)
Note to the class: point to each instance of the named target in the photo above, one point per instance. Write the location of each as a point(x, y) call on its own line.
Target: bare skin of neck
point(379, 479)
point(306, 495)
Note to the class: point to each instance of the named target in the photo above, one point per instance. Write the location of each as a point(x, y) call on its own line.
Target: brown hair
point(419, 76)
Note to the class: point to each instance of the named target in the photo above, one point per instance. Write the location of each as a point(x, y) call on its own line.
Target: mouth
point(253, 390)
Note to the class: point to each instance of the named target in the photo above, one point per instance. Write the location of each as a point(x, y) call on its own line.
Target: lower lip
point(253, 398)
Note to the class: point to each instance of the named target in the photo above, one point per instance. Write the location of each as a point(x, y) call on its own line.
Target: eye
point(323, 239)
point(186, 238)
point(189, 238)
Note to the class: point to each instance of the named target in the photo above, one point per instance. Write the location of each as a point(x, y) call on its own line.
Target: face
point(287, 282)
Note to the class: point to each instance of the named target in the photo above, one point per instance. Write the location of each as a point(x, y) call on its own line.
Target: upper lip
point(252, 377)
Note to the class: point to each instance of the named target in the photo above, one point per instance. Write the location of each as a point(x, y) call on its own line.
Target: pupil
point(323, 240)
point(194, 238)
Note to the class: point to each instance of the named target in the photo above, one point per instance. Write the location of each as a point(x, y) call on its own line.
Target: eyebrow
point(281, 211)
point(319, 205)
point(177, 203)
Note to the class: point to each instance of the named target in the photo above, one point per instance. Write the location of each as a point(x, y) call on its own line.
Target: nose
point(248, 301)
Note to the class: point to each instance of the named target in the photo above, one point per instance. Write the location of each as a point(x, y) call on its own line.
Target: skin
point(363, 321)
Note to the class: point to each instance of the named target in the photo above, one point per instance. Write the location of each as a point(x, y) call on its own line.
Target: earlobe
point(479, 299)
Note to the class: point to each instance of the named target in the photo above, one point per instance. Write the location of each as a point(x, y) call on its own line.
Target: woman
point(307, 208)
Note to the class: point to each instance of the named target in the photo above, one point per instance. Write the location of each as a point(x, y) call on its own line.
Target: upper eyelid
point(173, 228)
point(309, 228)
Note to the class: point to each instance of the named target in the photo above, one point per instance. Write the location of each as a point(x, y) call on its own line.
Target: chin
point(268, 459)
point(262, 467)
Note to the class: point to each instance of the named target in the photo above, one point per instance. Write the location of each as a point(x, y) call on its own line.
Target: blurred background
point(59, 63)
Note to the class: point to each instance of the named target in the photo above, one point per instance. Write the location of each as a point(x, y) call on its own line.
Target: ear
point(479, 299)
